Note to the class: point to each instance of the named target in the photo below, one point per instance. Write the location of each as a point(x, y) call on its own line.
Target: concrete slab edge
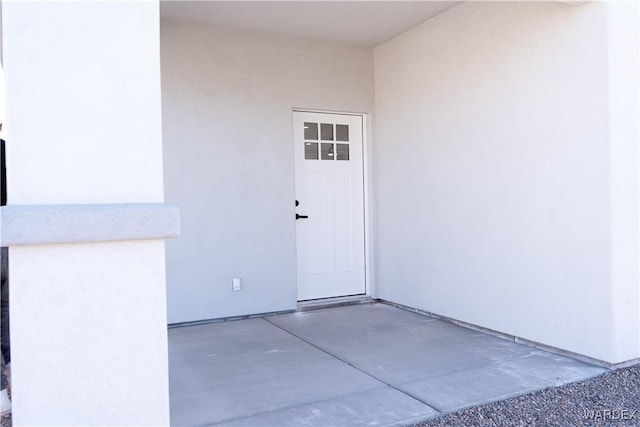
point(346, 301)
point(227, 319)
point(302, 306)
point(84, 223)
point(334, 302)
point(506, 396)
point(516, 339)
point(300, 404)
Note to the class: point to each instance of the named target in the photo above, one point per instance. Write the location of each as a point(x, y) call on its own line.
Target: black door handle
point(302, 216)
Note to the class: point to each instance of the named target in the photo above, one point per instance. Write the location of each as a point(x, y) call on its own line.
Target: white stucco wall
point(504, 190)
point(228, 153)
point(88, 334)
point(113, 169)
point(88, 320)
point(623, 64)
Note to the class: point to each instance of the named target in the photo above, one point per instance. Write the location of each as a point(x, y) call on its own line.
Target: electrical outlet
point(236, 284)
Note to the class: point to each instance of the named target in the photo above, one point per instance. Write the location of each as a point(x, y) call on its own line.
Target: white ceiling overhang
point(359, 23)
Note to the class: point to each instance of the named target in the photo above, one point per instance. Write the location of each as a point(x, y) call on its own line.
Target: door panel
point(330, 191)
point(342, 223)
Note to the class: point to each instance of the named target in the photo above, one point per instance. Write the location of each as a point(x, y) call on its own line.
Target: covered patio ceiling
point(358, 23)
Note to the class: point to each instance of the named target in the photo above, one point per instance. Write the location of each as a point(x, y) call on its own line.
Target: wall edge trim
point(86, 223)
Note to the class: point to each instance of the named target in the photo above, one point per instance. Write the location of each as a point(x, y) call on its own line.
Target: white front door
point(330, 204)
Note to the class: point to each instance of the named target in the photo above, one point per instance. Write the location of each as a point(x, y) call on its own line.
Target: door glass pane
point(311, 150)
point(310, 130)
point(342, 132)
point(342, 151)
point(326, 131)
point(326, 151)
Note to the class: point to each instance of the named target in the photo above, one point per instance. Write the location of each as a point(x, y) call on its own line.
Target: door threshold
point(316, 304)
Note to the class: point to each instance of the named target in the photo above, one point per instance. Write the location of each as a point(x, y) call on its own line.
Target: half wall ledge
point(51, 224)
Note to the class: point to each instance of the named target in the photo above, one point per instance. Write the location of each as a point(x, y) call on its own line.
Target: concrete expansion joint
point(359, 364)
point(335, 356)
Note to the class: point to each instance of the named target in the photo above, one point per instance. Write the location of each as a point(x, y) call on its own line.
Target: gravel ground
point(610, 399)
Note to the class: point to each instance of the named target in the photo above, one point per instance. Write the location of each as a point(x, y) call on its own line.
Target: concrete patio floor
point(369, 364)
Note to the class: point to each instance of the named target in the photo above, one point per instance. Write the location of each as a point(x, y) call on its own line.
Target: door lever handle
point(301, 216)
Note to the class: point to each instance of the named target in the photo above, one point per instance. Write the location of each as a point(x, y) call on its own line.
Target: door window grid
point(328, 151)
point(342, 132)
point(326, 131)
point(311, 151)
point(342, 151)
point(310, 130)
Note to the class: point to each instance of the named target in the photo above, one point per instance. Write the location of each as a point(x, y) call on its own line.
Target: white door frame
point(368, 248)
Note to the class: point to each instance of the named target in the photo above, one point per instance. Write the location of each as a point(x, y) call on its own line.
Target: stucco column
point(623, 67)
point(85, 219)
